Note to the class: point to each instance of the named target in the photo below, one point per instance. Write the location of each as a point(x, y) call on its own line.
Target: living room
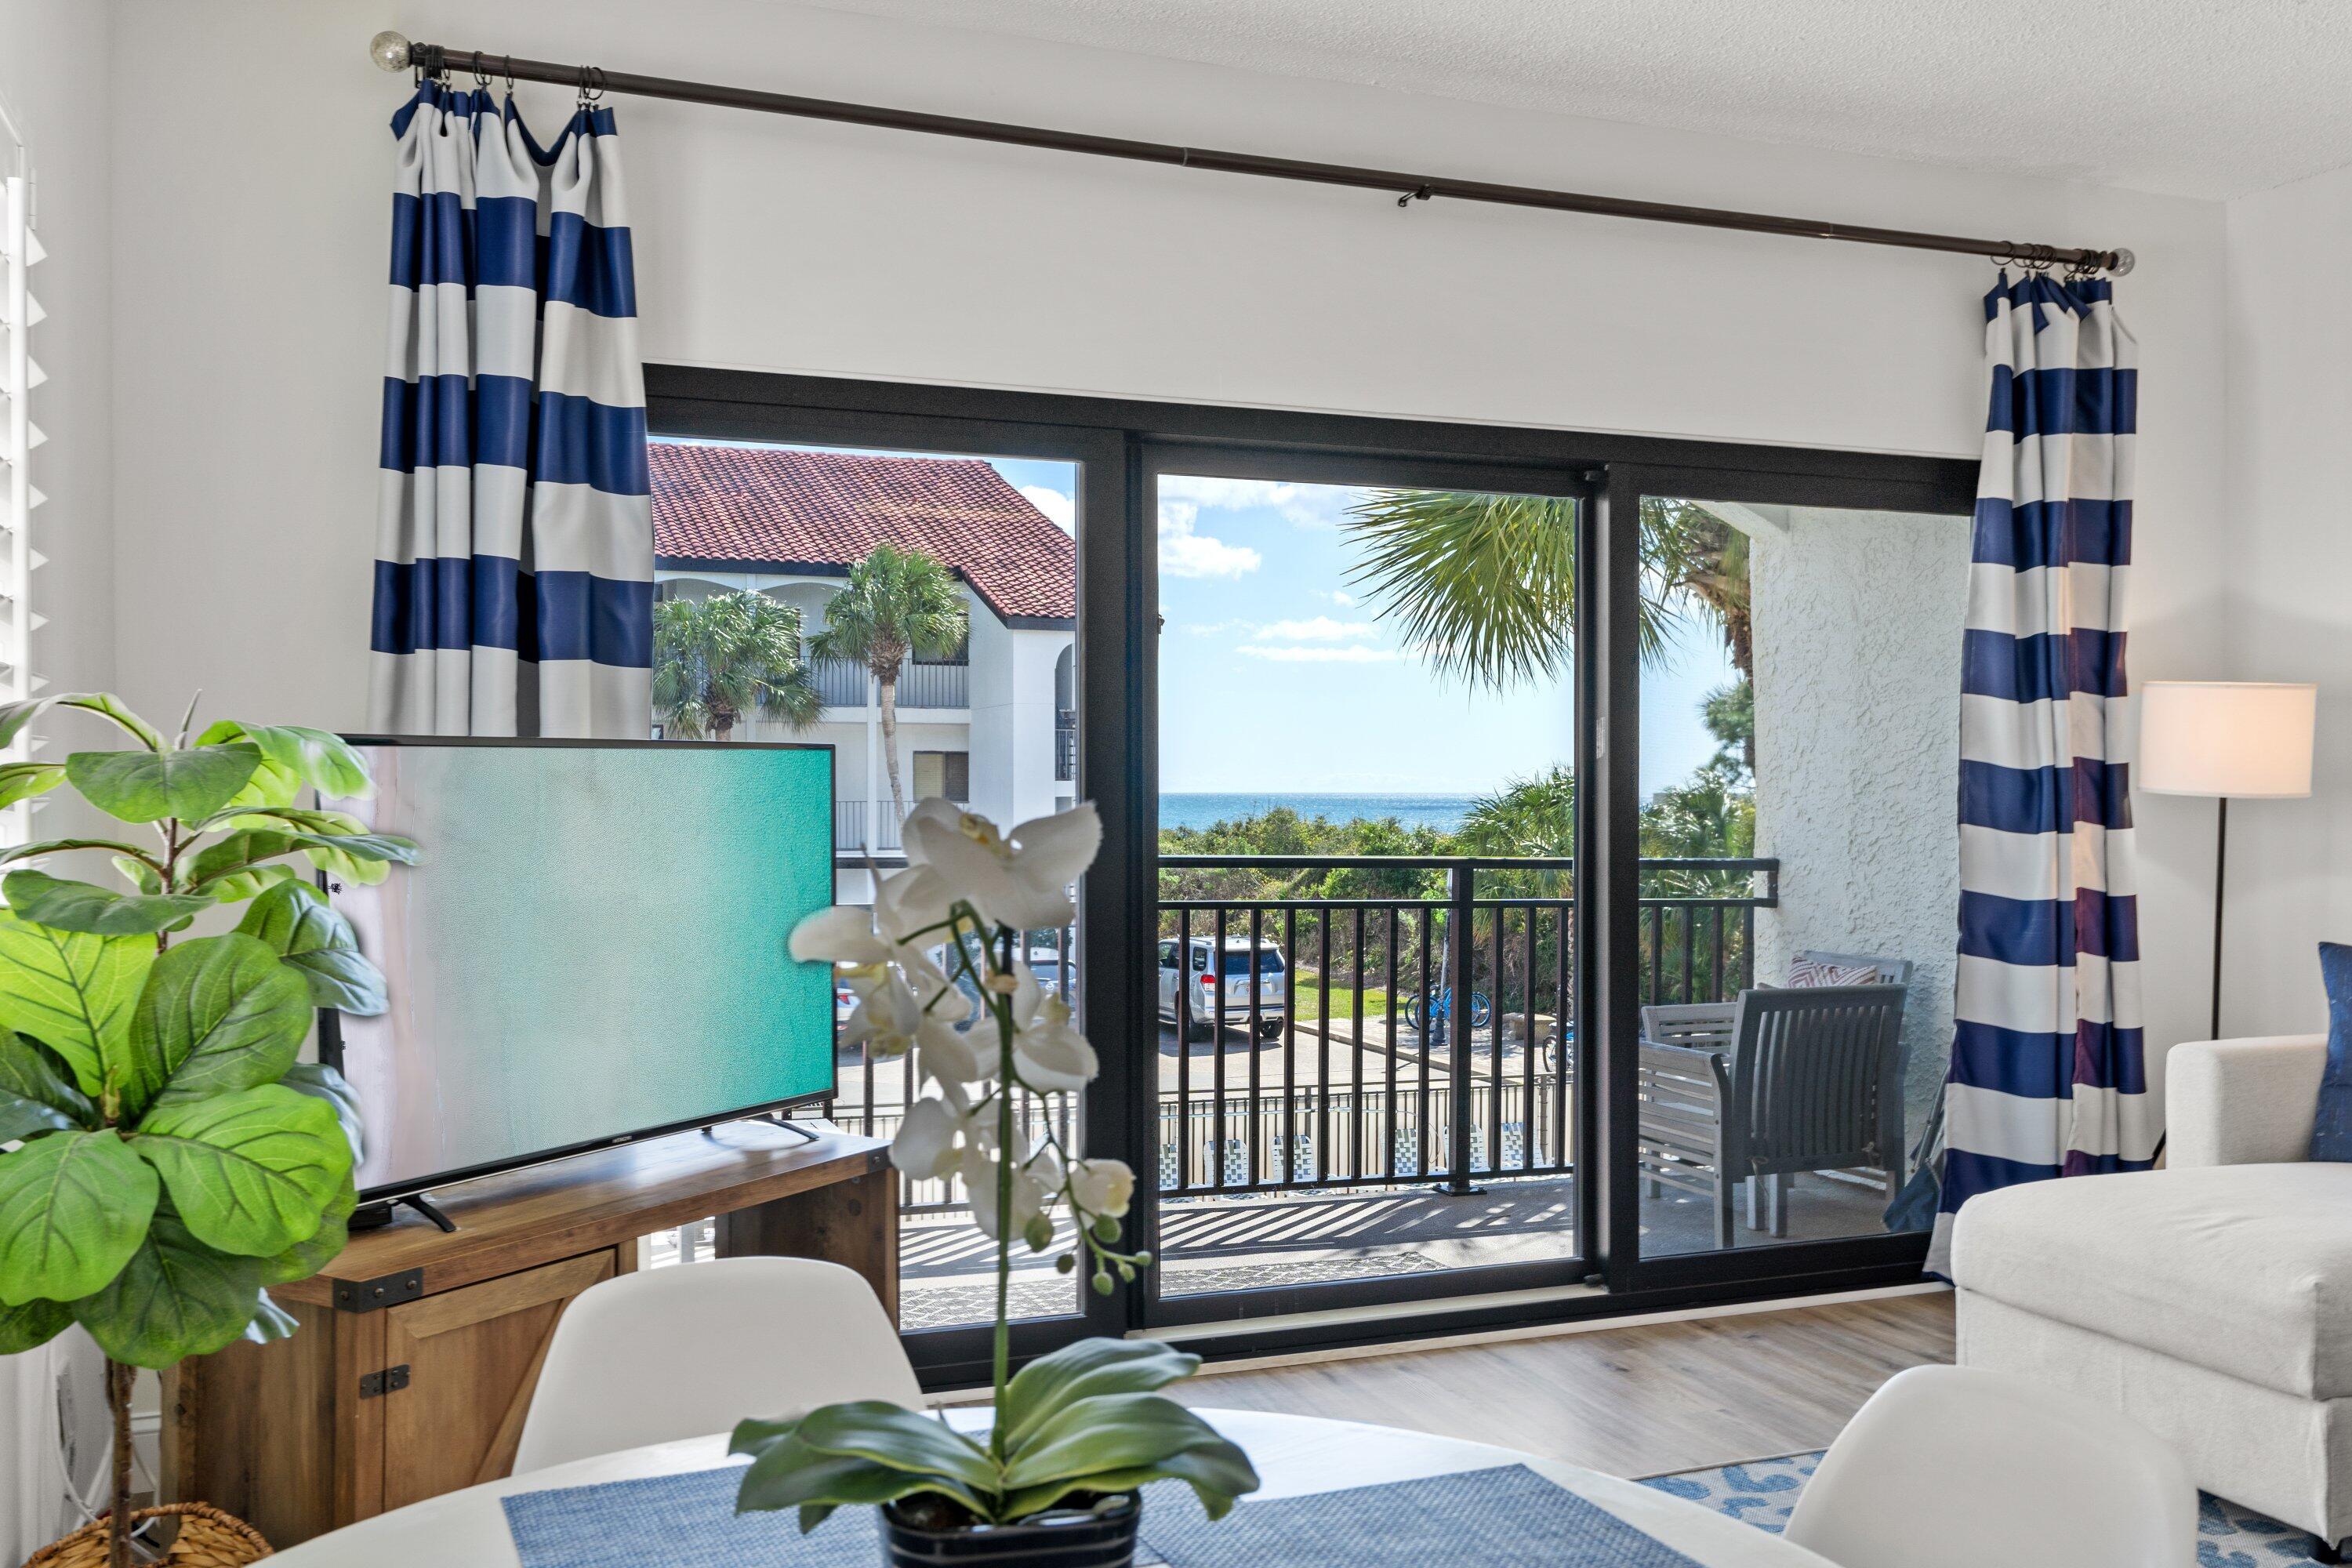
point(1492, 757)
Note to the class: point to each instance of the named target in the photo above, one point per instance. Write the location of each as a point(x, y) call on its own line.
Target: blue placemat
point(1509, 1517)
point(685, 1520)
point(1504, 1518)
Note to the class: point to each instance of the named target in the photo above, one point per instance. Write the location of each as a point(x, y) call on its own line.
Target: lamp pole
point(2220, 864)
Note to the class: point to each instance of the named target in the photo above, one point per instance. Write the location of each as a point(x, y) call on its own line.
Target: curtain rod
point(394, 53)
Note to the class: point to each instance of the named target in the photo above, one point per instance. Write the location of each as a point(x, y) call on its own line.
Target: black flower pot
point(1066, 1538)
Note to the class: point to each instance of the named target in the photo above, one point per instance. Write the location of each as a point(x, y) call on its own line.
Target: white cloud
point(1356, 654)
point(1317, 628)
point(1308, 506)
point(1186, 553)
point(1345, 601)
point(1060, 509)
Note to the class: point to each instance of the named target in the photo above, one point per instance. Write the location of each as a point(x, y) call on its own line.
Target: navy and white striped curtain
point(2048, 1075)
point(514, 570)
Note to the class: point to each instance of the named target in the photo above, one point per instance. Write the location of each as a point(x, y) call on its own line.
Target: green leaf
point(16, 852)
point(14, 716)
point(325, 762)
point(34, 1323)
point(251, 1172)
point(322, 1082)
point(64, 905)
point(271, 1322)
point(1084, 1369)
point(788, 1473)
point(73, 1207)
point(1107, 1432)
point(305, 1258)
point(139, 874)
point(148, 786)
point(252, 882)
point(271, 784)
point(23, 781)
point(319, 942)
point(36, 1093)
point(72, 991)
point(239, 852)
point(176, 1297)
point(219, 1014)
point(1217, 1474)
point(755, 1433)
point(889, 1435)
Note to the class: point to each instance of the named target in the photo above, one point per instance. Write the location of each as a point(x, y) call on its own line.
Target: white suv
point(1220, 993)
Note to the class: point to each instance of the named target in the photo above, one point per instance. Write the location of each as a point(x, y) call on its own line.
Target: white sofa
point(2210, 1299)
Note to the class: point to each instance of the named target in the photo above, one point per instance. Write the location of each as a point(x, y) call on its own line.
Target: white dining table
point(1294, 1455)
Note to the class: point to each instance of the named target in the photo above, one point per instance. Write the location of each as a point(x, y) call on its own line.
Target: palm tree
point(898, 602)
point(718, 658)
point(1485, 586)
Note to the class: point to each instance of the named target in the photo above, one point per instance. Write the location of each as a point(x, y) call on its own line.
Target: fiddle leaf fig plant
point(1083, 1426)
point(164, 1156)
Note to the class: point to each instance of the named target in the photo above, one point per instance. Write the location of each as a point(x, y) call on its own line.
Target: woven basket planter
point(207, 1539)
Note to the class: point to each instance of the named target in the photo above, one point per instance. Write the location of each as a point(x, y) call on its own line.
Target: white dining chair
point(1948, 1467)
point(694, 1348)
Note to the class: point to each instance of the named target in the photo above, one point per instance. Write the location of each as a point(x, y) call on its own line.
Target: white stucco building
point(993, 725)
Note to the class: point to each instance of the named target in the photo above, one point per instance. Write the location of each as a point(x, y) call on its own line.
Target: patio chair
point(1891, 971)
point(1777, 1082)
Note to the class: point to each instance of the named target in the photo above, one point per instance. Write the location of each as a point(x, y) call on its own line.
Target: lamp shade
point(2244, 740)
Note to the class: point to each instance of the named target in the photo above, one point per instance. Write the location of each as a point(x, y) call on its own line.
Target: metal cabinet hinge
point(390, 1380)
point(369, 1295)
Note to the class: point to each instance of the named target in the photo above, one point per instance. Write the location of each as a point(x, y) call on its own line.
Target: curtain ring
point(481, 76)
point(509, 70)
point(591, 85)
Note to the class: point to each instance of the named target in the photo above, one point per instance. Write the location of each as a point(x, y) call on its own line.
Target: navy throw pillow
point(2331, 1130)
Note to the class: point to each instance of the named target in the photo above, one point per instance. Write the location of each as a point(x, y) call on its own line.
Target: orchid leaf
point(1081, 1370)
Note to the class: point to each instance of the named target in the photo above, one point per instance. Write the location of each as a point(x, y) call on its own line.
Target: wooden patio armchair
point(1775, 1083)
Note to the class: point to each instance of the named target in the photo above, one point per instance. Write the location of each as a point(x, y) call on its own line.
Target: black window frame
point(1118, 444)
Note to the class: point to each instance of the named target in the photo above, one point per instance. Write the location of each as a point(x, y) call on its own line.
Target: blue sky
point(1274, 677)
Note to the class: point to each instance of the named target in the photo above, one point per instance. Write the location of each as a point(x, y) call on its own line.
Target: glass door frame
point(1116, 444)
point(1385, 469)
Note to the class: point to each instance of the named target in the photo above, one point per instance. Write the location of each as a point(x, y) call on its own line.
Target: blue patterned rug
point(1762, 1492)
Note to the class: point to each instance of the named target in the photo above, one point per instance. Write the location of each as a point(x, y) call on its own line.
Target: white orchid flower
point(843, 933)
point(1050, 1053)
point(1020, 879)
point(926, 1146)
point(958, 1056)
point(1031, 1195)
point(1102, 1186)
point(888, 1015)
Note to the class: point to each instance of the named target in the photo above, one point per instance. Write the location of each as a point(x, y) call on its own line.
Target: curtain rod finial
point(389, 50)
point(2124, 262)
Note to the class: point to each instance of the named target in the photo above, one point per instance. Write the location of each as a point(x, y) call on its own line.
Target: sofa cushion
point(2243, 1268)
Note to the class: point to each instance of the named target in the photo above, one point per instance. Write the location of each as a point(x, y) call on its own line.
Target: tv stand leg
point(773, 1118)
point(430, 1210)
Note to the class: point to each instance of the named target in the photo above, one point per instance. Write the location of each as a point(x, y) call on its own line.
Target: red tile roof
point(779, 508)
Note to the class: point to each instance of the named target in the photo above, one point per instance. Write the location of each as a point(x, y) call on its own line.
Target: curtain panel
point(2048, 1073)
point(514, 569)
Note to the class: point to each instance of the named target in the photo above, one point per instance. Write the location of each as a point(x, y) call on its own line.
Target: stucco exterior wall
point(1858, 618)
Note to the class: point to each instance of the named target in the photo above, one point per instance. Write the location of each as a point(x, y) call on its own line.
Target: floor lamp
point(2230, 739)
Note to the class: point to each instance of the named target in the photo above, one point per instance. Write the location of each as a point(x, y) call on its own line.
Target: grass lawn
point(1307, 999)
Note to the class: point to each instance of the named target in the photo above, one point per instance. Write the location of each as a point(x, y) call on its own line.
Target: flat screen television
point(593, 949)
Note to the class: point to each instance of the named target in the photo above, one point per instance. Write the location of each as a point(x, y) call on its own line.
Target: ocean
point(1440, 811)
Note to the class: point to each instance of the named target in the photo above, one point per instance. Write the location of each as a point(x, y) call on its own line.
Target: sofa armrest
point(2242, 1102)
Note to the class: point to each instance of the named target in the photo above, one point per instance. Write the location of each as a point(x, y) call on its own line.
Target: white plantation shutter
point(20, 442)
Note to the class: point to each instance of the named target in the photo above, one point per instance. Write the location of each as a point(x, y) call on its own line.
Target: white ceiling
point(2203, 97)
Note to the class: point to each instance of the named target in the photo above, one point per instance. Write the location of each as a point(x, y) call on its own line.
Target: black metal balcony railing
point(1066, 745)
point(845, 683)
point(1363, 1074)
point(849, 827)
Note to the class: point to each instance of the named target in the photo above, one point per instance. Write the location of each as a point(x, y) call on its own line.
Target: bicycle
point(1440, 1010)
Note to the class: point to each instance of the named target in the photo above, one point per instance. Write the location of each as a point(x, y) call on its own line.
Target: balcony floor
point(1242, 1243)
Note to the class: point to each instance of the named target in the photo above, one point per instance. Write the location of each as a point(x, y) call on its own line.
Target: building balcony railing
point(845, 683)
point(1066, 745)
point(850, 827)
point(1348, 1067)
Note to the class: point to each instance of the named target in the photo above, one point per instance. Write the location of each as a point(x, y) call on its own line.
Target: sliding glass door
point(1366, 944)
point(1466, 793)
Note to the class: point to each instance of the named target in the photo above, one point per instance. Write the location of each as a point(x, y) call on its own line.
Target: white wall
point(2287, 520)
point(1858, 618)
point(249, 332)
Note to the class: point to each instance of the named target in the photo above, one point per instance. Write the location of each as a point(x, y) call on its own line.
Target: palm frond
point(896, 603)
point(727, 656)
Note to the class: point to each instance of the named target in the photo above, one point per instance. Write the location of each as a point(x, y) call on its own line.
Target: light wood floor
point(1630, 1402)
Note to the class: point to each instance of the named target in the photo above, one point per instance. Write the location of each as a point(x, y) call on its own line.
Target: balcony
point(1066, 745)
point(845, 683)
point(850, 827)
point(1362, 1125)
